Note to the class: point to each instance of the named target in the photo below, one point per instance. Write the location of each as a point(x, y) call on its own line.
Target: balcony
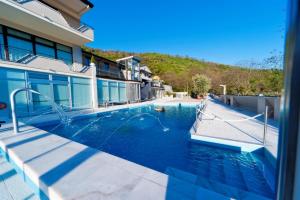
point(40, 17)
point(110, 74)
point(28, 59)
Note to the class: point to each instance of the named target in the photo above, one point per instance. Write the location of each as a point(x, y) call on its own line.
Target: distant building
point(113, 87)
point(157, 88)
point(132, 67)
point(168, 88)
point(146, 78)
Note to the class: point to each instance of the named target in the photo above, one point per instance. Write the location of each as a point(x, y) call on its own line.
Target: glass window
point(19, 48)
point(81, 95)
point(106, 67)
point(122, 92)
point(64, 53)
point(18, 34)
point(64, 56)
point(103, 92)
point(41, 101)
point(45, 48)
point(64, 48)
point(45, 51)
point(9, 81)
point(61, 94)
point(34, 75)
point(44, 42)
point(113, 92)
point(1, 44)
point(59, 78)
point(86, 60)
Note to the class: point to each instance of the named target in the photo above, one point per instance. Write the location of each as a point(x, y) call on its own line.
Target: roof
point(87, 2)
point(96, 56)
point(129, 57)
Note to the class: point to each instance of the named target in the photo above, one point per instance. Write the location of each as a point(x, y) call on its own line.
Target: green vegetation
point(178, 72)
point(201, 85)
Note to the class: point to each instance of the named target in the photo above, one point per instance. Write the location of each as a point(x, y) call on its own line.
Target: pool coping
point(42, 158)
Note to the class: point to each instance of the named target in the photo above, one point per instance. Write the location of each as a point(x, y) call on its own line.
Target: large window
point(19, 45)
point(9, 81)
point(81, 93)
point(40, 82)
point(2, 50)
point(103, 91)
point(22, 45)
point(86, 60)
point(45, 48)
point(61, 91)
point(106, 67)
point(122, 92)
point(64, 53)
point(113, 92)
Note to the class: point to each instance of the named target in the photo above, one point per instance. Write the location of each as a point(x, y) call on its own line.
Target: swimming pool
point(160, 140)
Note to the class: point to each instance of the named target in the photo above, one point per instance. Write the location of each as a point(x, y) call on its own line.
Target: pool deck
point(247, 135)
point(12, 187)
point(63, 169)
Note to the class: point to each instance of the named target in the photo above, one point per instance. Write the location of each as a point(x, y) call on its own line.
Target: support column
point(261, 104)
point(94, 85)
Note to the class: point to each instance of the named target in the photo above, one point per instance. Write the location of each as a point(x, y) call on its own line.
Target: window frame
point(33, 41)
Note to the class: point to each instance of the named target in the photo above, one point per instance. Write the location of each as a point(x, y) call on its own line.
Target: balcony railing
point(53, 15)
point(25, 56)
point(109, 73)
point(15, 54)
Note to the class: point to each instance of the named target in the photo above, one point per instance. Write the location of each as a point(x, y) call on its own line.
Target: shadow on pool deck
point(271, 122)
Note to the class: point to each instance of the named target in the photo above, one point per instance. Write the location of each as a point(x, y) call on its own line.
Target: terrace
point(48, 19)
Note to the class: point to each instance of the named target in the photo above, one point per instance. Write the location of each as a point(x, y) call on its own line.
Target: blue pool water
point(159, 140)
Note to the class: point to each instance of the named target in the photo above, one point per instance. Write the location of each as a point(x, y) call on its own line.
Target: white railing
point(201, 112)
point(52, 15)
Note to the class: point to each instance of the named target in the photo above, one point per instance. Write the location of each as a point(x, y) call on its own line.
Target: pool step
point(215, 186)
point(255, 176)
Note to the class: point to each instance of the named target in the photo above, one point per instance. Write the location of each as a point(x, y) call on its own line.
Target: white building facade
point(40, 48)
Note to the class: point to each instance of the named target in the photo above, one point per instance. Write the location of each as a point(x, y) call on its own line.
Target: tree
point(201, 84)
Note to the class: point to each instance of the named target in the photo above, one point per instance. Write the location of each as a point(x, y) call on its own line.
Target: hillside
point(178, 71)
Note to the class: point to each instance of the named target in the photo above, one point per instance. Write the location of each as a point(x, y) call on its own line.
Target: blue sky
point(223, 31)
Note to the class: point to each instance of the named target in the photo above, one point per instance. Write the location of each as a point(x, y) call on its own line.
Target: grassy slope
point(177, 71)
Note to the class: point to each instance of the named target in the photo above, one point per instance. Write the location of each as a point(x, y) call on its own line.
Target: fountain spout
point(13, 106)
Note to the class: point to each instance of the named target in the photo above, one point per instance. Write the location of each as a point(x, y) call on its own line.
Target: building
point(151, 87)
point(132, 67)
point(146, 78)
point(132, 75)
point(40, 48)
point(112, 85)
point(157, 87)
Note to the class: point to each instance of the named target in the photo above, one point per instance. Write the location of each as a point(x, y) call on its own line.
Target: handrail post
point(265, 125)
point(13, 106)
point(13, 112)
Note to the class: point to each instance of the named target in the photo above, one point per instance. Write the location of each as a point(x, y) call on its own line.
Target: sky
point(222, 31)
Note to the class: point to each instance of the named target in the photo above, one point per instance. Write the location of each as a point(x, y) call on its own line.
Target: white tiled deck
point(12, 187)
point(247, 135)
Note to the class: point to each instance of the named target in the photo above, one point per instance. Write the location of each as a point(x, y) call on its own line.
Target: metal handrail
point(79, 28)
point(13, 51)
point(13, 107)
